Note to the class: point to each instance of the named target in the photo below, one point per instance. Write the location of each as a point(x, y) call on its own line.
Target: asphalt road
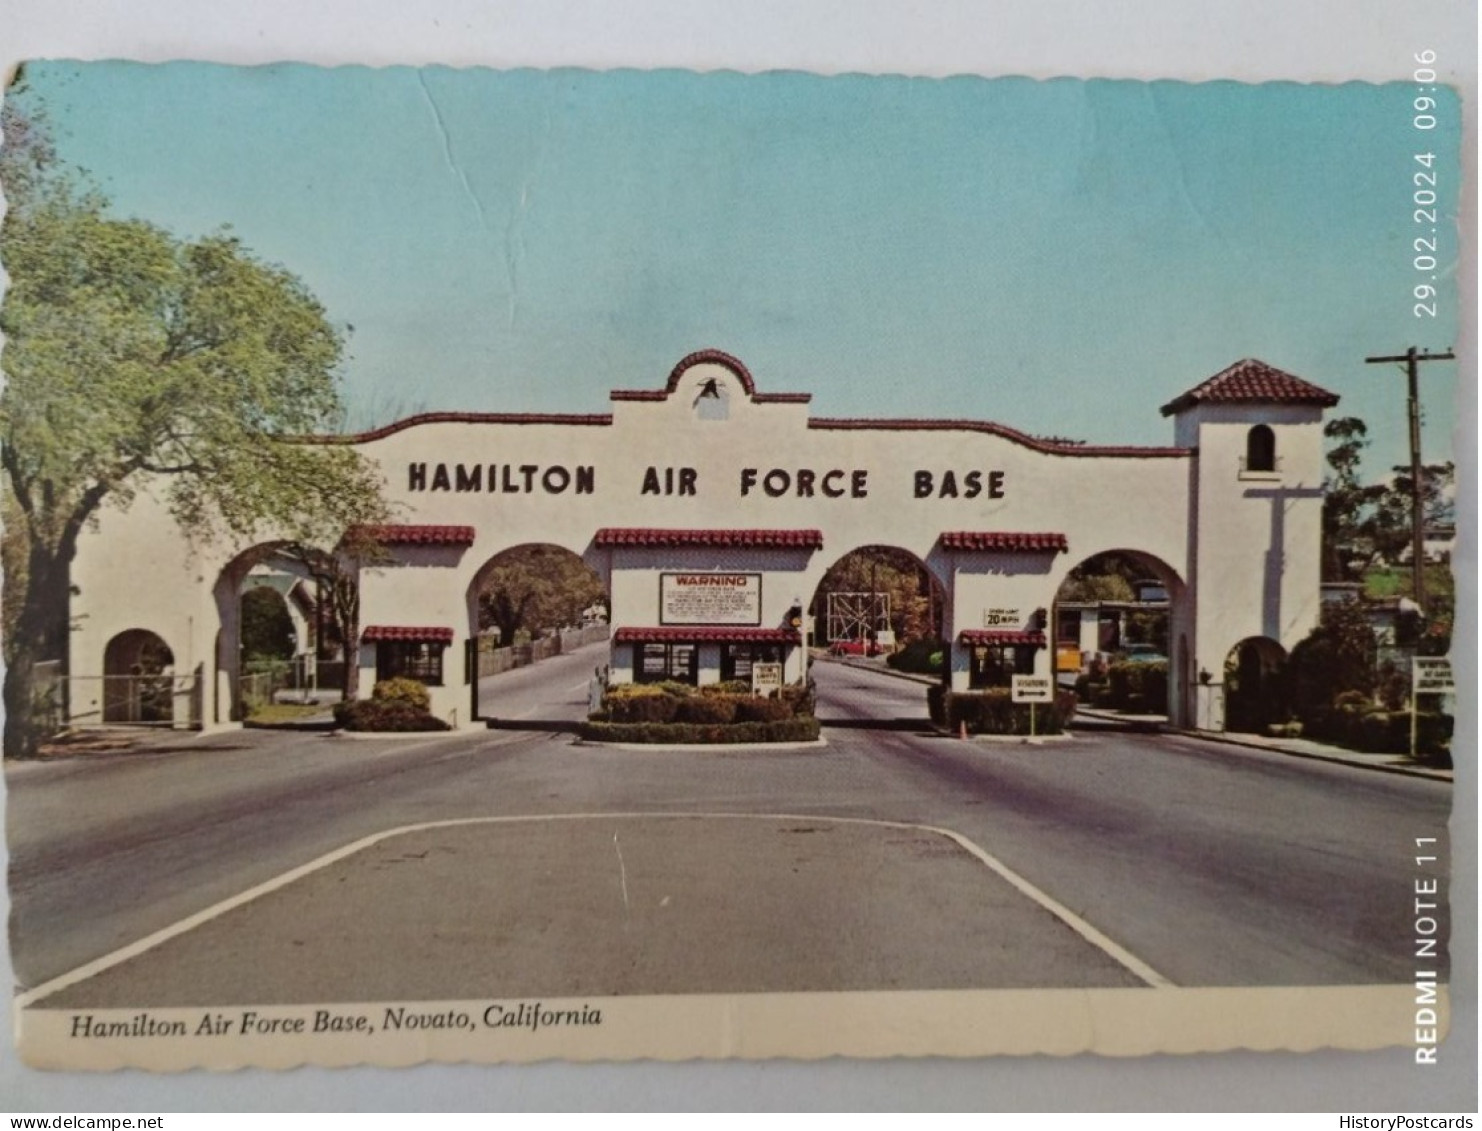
point(1213, 864)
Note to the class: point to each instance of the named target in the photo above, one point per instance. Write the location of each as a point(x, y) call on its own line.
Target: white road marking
point(622, 872)
point(115, 958)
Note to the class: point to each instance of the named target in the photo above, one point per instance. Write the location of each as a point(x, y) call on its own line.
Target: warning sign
point(710, 598)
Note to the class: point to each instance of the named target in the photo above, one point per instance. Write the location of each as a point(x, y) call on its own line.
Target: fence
point(161, 700)
point(493, 661)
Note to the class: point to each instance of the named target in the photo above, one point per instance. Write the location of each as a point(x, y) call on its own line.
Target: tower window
point(1260, 449)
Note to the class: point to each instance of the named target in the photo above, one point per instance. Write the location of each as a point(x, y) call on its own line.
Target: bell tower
point(1256, 525)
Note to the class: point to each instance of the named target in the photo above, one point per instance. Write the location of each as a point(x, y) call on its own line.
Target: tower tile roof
point(1252, 382)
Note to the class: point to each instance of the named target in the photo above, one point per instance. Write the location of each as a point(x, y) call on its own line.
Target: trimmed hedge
point(401, 690)
point(754, 709)
point(715, 704)
point(711, 709)
point(692, 734)
point(993, 711)
point(1139, 688)
point(387, 715)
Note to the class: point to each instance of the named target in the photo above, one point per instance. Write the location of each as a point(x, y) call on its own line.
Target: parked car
point(855, 648)
point(1141, 654)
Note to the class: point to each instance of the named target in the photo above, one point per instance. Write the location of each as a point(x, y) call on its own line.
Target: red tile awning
point(705, 634)
point(418, 633)
point(401, 535)
point(745, 539)
point(989, 637)
point(1005, 541)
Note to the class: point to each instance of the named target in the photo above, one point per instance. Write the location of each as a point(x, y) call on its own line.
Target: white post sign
point(1429, 675)
point(1033, 689)
point(766, 678)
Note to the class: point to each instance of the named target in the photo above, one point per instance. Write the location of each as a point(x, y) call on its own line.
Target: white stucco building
point(711, 509)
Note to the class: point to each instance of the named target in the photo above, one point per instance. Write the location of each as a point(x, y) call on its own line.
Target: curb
point(913, 677)
point(1314, 756)
point(705, 747)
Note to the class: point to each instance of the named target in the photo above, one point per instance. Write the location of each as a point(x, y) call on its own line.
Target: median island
point(677, 714)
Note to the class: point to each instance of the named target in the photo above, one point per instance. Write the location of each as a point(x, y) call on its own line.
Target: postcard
point(508, 565)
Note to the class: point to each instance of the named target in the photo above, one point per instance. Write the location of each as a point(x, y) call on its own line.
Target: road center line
point(97, 966)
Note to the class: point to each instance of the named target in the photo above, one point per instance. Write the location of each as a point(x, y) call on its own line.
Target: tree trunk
point(40, 634)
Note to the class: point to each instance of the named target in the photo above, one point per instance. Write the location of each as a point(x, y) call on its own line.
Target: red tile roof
point(1005, 541)
point(706, 634)
point(433, 635)
point(748, 539)
point(418, 535)
point(985, 636)
point(1252, 382)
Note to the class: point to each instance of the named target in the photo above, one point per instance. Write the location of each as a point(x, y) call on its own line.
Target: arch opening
point(1255, 690)
point(286, 612)
point(1260, 449)
point(881, 605)
point(138, 678)
point(528, 603)
point(1118, 630)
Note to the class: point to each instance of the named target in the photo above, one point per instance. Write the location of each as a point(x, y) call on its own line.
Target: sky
point(1060, 256)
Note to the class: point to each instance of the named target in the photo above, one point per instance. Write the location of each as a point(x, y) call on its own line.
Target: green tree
point(1339, 655)
point(267, 629)
point(131, 357)
point(1350, 522)
point(536, 588)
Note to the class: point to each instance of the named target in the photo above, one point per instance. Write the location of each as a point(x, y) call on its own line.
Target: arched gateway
point(711, 509)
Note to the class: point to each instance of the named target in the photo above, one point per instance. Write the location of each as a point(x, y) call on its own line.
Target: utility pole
point(1412, 359)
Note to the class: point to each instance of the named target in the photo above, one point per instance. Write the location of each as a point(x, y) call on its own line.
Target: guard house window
point(659, 662)
point(736, 660)
point(421, 660)
point(1260, 449)
point(995, 665)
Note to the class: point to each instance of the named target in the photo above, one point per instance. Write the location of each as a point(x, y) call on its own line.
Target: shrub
point(690, 734)
point(390, 715)
point(1142, 688)
point(993, 711)
point(924, 655)
point(706, 709)
point(675, 688)
point(648, 707)
point(803, 701)
point(400, 690)
point(755, 709)
point(727, 687)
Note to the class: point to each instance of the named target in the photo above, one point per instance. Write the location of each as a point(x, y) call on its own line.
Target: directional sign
point(1432, 676)
point(1033, 689)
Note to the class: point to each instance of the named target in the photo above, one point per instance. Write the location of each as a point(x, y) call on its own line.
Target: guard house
point(712, 509)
